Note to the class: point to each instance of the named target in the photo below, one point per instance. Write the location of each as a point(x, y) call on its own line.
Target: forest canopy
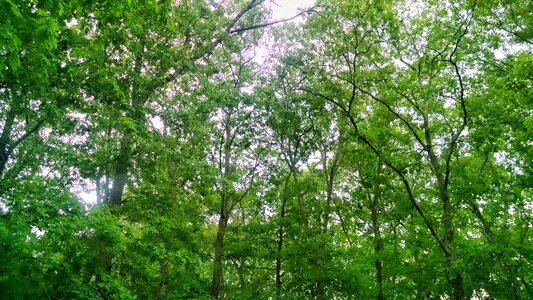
point(362, 149)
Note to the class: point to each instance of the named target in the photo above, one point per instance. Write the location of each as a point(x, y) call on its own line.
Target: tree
point(427, 95)
point(381, 151)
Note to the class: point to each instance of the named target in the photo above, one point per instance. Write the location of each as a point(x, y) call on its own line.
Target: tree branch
point(404, 180)
point(257, 26)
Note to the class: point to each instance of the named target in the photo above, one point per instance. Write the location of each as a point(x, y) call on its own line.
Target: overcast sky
point(281, 9)
point(287, 8)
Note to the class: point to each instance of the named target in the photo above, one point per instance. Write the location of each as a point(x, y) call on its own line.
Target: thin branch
point(399, 172)
point(257, 26)
point(397, 115)
point(455, 137)
point(32, 130)
point(236, 130)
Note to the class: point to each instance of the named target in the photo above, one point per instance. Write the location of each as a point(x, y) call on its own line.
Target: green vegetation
point(382, 150)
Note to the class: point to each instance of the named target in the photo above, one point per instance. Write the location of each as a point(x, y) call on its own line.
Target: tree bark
point(120, 178)
point(163, 285)
point(330, 179)
point(7, 145)
point(455, 278)
point(378, 242)
point(217, 283)
point(218, 270)
point(281, 234)
point(330, 173)
point(4, 140)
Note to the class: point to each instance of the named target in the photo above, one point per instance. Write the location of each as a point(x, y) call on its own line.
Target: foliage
point(383, 150)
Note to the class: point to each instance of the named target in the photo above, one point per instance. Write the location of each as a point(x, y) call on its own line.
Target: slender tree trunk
point(330, 173)
point(98, 190)
point(301, 202)
point(120, 178)
point(123, 161)
point(378, 242)
point(106, 184)
point(330, 179)
point(4, 140)
point(281, 234)
point(218, 270)
point(7, 145)
point(163, 285)
point(455, 278)
point(114, 200)
point(138, 99)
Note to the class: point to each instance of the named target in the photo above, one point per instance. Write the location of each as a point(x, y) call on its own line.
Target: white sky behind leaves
point(281, 9)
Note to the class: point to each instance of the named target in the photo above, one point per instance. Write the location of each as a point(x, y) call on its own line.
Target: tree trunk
point(218, 270)
point(5, 139)
point(120, 177)
point(163, 285)
point(280, 245)
point(330, 179)
point(7, 146)
point(138, 99)
point(217, 283)
point(378, 242)
point(455, 278)
point(330, 173)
